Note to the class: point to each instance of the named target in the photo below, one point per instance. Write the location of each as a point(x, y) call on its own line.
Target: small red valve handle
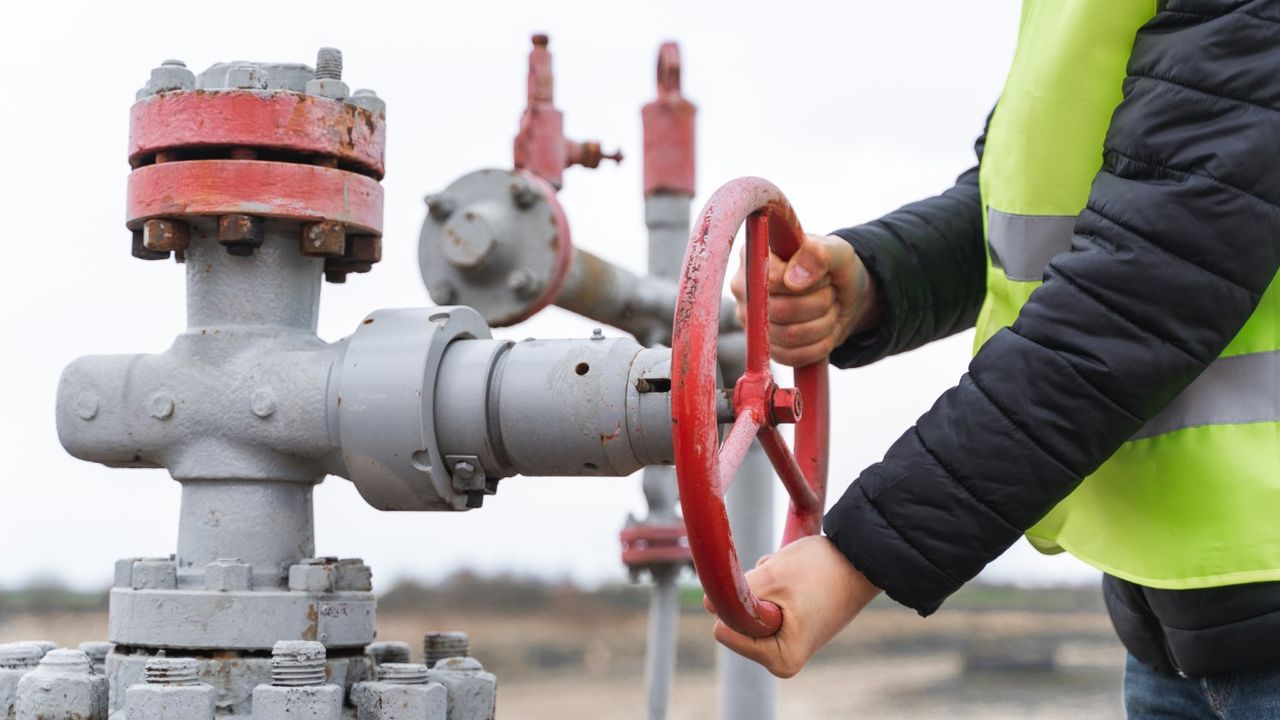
point(705, 467)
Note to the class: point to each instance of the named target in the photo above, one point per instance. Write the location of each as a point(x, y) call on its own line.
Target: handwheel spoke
point(784, 462)
point(735, 447)
point(757, 329)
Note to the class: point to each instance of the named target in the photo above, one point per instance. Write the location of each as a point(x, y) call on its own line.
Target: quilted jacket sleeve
point(1179, 239)
point(928, 260)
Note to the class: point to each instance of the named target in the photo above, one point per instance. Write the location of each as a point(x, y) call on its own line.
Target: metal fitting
point(314, 575)
point(440, 206)
point(328, 80)
point(172, 691)
point(297, 690)
point(523, 283)
point(389, 651)
point(228, 575)
point(97, 650)
point(400, 693)
point(247, 77)
point(16, 660)
point(352, 575)
point(437, 646)
point(786, 405)
point(469, 239)
point(297, 663)
point(62, 686)
point(241, 235)
point(473, 693)
point(524, 195)
point(324, 239)
point(165, 236)
point(154, 574)
point(369, 100)
point(172, 75)
point(442, 292)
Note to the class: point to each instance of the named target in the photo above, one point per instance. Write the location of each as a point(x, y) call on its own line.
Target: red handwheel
point(705, 467)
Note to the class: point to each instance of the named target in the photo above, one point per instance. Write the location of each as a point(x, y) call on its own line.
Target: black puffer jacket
point(1179, 238)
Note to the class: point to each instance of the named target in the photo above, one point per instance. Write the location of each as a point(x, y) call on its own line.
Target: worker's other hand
point(819, 592)
point(817, 299)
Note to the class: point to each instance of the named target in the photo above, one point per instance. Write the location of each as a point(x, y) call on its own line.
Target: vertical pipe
point(660, 653)
point(667, 217)
point(747, 690)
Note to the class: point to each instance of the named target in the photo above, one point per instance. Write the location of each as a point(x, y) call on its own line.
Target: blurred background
point(851, 108)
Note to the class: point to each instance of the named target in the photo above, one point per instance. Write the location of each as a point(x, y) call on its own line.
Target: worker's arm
point(1179, 239)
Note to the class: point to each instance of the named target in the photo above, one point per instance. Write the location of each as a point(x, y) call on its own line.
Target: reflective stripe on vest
point(1192, 499)
point(1232, 390)
point(1022, 245)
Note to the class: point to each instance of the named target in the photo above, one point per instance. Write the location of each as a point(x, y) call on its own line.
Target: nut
point(165, 236)
point(324, 239)
point(241, 234)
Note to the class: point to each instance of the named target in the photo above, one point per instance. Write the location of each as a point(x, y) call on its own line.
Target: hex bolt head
point(523, 194)
point(524, 283)
point(369, 100)
point(313, 577)
point(172, 75)
point(247, 77)
point(164, 236)
point(324, 239)
point(140, 251)
point(786, 405)
point(241, 235)
point(442, 292)
point(263, 403)
point(160, 406)
point(228, 575)
point(440, 206)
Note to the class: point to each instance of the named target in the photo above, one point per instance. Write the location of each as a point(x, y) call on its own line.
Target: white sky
point(851, 108)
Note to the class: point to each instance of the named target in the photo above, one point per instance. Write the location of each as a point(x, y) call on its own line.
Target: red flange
point(645, 546)
point(704, 466)
point(308, 193)
point(275, 121)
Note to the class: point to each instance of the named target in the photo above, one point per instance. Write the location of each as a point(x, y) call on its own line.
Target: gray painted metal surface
point(473, 693)
point(63, 686)
point(747, 690)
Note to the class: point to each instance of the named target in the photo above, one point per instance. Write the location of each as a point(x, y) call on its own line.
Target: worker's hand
point(819, 592)
point(817, 299)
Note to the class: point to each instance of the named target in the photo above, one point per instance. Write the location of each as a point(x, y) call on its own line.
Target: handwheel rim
point(704, 466)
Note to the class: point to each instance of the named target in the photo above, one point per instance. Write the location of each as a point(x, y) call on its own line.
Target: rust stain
point(312, 630)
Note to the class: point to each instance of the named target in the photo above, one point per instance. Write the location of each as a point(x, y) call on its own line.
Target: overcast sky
point(851, 108)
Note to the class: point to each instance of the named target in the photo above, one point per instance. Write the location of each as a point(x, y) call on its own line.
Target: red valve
point(705, 467)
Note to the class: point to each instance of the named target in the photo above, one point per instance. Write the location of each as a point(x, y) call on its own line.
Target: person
point(1116, 247)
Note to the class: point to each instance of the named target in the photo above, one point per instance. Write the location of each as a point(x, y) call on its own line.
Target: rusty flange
point(271, 122)
point(247, 143)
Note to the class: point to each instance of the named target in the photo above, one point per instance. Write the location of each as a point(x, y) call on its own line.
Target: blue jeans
point(1244, 695)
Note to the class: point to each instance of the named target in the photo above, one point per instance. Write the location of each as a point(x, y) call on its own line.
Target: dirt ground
point(891, 664)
